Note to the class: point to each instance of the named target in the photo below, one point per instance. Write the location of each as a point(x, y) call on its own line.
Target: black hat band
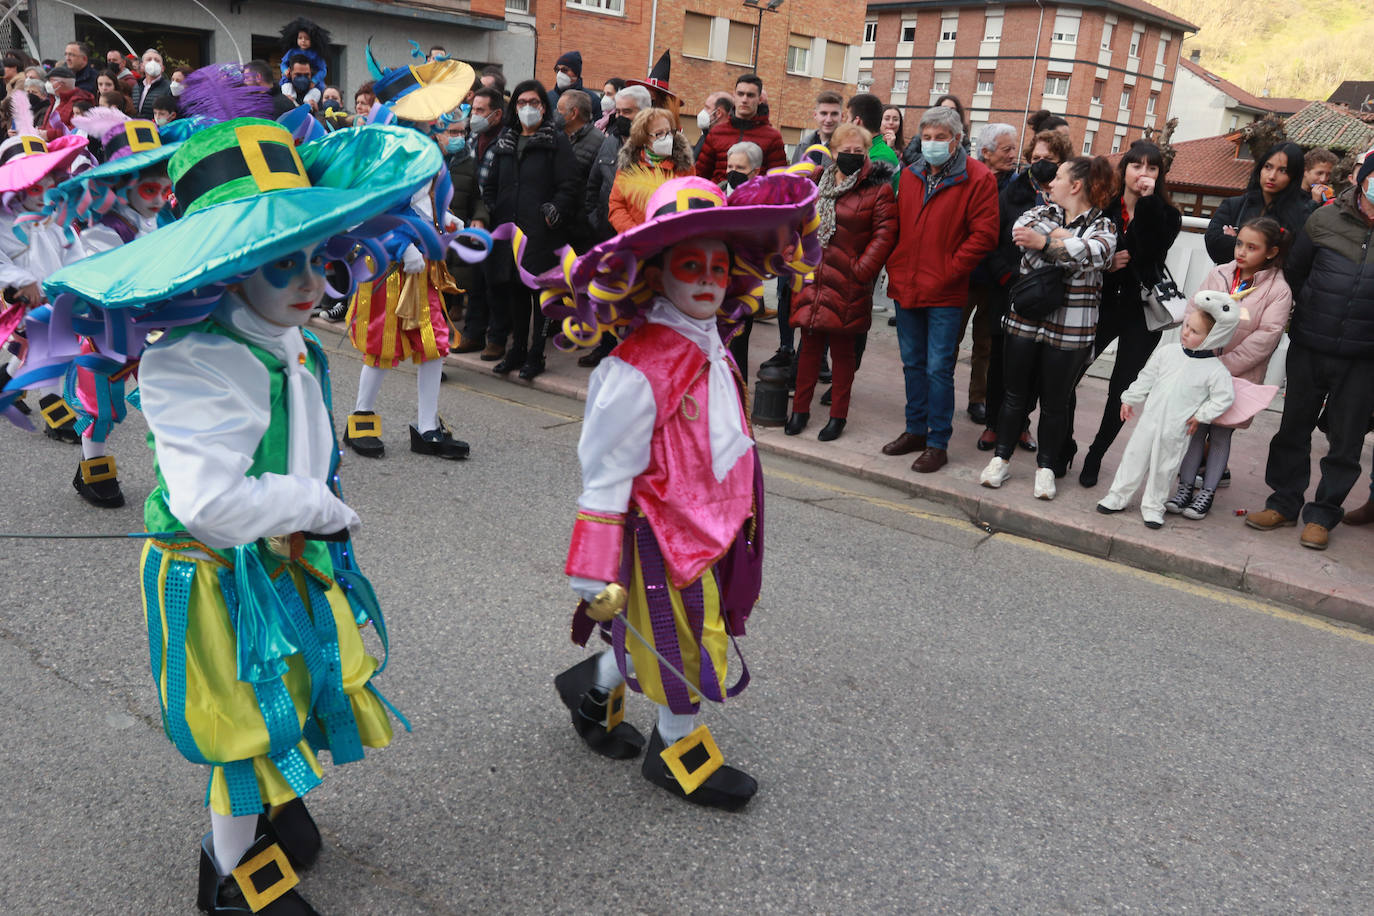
point(230, 164)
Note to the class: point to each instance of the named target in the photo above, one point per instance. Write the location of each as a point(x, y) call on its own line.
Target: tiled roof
point(1331, 126)
point(1155, 12)
point(1209, 163)
point(1285, 106)
point(1229, 88)
point(1354, 93)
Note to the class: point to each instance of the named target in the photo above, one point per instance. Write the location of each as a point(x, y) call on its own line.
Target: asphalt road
point(941, 719)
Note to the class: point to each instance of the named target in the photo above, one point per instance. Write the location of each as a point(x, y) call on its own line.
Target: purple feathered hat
point(769, 224)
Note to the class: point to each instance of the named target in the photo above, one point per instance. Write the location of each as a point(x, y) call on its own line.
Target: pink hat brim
point(27, 171)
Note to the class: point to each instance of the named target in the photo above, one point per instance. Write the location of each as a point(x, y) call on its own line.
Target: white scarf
point(723, 410)
point(310, 440)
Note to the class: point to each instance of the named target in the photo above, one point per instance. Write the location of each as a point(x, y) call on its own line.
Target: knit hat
point(572, 60)
point(1365, 168)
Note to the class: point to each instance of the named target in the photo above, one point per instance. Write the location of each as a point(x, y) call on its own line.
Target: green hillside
point(1302, 48)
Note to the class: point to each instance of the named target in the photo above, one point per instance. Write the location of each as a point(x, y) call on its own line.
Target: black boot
point(796, 423)
point(95, 480)
point(513, 360)
point(59, 420)
point(832, 430)
point(268, 887)
point(1065, 459)
point(534, 366)
point(1092, 467)
point(726, 787)
point(438, 441)
point(364, 434)
point(294, 829)
point(592, 708)
point(825, 398)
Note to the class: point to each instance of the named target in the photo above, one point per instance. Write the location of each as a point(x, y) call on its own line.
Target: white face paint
point(695, 275)
point(31, 199)
point(148, 196)
point(287, 290)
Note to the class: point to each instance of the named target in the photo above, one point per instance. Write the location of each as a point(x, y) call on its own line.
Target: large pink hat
point(27, 159)
point(769, 224)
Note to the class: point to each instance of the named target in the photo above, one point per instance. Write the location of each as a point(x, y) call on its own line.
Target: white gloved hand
point(289, 91)
point(587, 589)
point(312, 97)
point(412, 262)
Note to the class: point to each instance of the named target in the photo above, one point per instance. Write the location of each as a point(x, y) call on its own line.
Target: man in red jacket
point(947, 216)
point(746, 124)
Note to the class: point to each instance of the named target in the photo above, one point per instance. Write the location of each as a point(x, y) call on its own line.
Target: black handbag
point(1038, 294)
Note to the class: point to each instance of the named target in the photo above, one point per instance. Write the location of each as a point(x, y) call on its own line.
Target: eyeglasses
point(659, 135)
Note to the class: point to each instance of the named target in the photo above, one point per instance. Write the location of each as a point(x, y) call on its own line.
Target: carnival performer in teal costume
point(252, 598)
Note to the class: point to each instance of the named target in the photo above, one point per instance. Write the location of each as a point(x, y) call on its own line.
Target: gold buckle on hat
point(251, 140)
point(272, 871)
point(94, 470)
point(58, 413)
point(693, 759)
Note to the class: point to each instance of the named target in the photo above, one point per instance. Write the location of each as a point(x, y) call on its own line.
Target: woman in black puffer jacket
point(530, 180)
point(1275, 191)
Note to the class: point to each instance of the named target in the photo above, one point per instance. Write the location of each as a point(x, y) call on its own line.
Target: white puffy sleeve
point(617, 429)
point(207, 402)
point(98, 238)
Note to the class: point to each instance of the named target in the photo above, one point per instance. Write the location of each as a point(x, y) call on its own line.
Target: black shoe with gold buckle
point(59, 420)
point(263, 882)
point(293, 827)
point(95, 480)
point(364, 434)
point(694, 769)
point(598, 716)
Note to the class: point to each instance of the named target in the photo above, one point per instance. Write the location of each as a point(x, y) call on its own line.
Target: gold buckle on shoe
point(58, 414)
point(265, 877)
point(615, 707)
point(364, 427)
point(693, 759)
point(94, 470)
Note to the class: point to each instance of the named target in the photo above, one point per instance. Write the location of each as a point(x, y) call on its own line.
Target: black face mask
point(301, 84)
point(36, 101)
point(620, 127)
point(1043, 171)
point(735, 179)
point(849, 163)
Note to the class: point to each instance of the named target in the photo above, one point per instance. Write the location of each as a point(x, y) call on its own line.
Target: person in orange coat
point(655, 153)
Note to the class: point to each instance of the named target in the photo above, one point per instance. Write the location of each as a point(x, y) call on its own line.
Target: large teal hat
point(249, 196)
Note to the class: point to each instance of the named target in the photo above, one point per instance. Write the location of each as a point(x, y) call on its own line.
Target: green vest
point(270, 457)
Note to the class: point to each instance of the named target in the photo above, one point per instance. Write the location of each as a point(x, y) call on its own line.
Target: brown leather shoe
point(1314, 536)
point(492, 352)
point(1268, 520)
point(1361, 516)
point(467, 345)
point(905, 444)
point(930, 461)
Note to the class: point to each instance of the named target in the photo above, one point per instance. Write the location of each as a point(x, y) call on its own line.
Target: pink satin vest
point(694, 517)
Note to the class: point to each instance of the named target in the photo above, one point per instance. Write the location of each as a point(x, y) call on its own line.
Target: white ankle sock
point(427, 395)
point(369, 386)
point(231, 837)
point(673, 727)
point(608, 675)
point(91, 449)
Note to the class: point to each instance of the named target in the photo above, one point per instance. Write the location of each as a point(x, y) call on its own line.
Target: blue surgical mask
point(455, 145)
point(1369, 192)
point(935, 152)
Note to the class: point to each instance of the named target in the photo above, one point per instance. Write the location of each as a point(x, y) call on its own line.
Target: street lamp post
point(770, 7)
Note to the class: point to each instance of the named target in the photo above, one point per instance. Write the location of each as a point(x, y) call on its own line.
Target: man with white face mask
point(152, 87)
point(719, 106)
point(567, 74)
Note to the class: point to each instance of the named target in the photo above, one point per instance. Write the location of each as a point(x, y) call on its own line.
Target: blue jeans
point(928, 339)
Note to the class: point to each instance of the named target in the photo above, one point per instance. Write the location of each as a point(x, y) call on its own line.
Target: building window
point(739, 44)
point(984, 84)
point(601, 6)
point(901, 81)
point(1125, 99)
point(1088, 138)
point(834, 60)
point(1107, 31)
point(1235, 121)
point(696, 35)
point(1135, 43)
point(949, 27)
point(1065, 28)
point(1116, 144)
point(1161, 51)
point(992, 28)
point(798, 53)
point(870, 31)
point(865, 80)
point(1097, 92)
point(1150, 103)
point(908, 30)
point(518, 6)
point(941, 84)
point(1057, 87)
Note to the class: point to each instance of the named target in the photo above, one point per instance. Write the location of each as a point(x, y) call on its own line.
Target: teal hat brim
point(355, 175)
point(71, 189)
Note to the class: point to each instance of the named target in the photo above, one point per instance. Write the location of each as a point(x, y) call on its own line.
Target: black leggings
point(524, 310)
point(1029, 369)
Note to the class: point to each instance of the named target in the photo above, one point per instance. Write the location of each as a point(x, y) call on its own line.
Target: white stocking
point(673, 727)
point(427, 395)
point(369, 386)
point(91, 449)
point(608, 676)
point(231, 838)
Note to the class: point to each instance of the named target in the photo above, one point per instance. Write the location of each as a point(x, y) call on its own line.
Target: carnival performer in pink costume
point(667, 544)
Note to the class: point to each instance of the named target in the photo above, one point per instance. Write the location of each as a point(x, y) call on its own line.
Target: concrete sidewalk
point(1220, 550)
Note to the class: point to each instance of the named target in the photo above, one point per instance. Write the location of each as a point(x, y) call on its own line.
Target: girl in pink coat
point(1257, 273)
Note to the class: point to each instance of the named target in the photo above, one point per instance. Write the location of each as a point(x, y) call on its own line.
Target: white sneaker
point(996, 473)
point(1044, 484)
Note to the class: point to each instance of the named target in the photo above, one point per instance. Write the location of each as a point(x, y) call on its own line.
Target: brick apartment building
point(803, 48)
point(1107, 66)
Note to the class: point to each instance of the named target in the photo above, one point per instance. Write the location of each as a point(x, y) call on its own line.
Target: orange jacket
point(625, 213)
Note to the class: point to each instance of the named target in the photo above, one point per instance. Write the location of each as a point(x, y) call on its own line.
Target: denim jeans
point(928, 339)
